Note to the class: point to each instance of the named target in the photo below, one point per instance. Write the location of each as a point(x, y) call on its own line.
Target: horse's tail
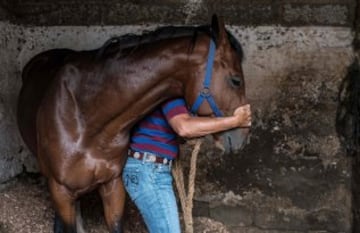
point(37, 76)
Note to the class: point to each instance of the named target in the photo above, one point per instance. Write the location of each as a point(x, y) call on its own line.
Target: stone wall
point(294, 175)
point(12, 155)
point(238, 12)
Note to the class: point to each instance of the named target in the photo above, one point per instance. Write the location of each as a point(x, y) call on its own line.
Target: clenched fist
point(243, 115)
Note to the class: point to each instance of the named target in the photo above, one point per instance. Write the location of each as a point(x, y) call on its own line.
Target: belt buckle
point(152, 158)
point(149, 157)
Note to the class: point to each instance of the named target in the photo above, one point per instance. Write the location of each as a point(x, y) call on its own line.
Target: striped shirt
point(154, 134)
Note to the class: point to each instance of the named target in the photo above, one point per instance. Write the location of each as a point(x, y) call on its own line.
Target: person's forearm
point(191, 126)
point(201, 126)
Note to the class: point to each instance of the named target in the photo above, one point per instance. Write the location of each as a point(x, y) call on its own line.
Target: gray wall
point(120, 12)
point(294, 175)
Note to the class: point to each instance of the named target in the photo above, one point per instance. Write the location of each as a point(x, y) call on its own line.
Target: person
point(153, 147)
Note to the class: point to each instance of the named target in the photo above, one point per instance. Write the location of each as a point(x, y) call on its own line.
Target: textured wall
point(293, 176)
point(119, 12)
point(12, 155)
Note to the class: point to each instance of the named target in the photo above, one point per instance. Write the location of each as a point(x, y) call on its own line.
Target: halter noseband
point(205, 93)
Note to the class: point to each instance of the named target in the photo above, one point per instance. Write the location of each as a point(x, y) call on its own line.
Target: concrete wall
point(11, 156)
point(238, 12)
point(294, 176)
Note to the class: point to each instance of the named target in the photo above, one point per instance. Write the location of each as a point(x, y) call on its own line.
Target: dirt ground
point(25, 207)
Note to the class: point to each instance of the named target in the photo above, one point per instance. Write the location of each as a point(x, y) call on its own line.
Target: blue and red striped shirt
point(154, 134)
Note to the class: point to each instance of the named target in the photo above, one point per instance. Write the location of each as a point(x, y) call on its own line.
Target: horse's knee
point(113, 198)
point(117, 227)
point(61, 227)
point(65, 211)
point(58, 224)
point(114, 218)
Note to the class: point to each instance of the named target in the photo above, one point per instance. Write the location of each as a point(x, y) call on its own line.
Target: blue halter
point(205, 93)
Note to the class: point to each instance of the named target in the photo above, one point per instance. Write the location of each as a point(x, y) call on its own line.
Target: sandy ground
point(25, 207)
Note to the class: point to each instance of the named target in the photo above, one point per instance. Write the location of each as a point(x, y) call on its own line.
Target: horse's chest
point(103, 169)
point(106, 170)
point(89, 171)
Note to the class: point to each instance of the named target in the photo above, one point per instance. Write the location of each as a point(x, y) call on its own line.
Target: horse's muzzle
point(232, 141)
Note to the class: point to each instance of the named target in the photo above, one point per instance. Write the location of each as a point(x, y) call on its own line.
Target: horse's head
point(218, 87)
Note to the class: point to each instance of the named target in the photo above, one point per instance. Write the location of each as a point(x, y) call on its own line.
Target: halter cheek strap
point(205, 93)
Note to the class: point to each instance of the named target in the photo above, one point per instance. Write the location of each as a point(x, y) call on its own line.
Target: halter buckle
point(205, 92)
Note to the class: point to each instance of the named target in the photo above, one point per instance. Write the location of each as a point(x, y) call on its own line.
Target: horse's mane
point(121, 43)
point(235, 44)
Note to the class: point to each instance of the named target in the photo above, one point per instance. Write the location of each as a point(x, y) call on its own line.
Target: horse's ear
point(218, 28)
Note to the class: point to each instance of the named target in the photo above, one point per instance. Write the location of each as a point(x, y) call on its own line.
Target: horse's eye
point(235, 81)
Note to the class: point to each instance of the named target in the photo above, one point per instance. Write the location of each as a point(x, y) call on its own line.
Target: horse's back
point(37, 76)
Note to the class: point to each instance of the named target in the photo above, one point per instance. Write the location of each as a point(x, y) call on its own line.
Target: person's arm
point(188, 126)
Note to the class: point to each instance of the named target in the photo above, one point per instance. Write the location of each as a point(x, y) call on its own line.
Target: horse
point(76, 108)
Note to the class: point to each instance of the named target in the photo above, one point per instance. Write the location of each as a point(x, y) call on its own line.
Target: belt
point(149, 157)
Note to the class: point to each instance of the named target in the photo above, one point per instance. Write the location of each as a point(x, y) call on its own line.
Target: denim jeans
point(149, 185)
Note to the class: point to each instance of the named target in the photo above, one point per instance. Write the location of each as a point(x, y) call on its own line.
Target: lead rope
point(186, 200)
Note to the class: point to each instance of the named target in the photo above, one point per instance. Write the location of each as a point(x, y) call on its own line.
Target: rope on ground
point(186, 199)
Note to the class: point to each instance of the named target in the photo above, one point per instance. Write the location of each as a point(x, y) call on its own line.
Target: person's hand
point(243, 116)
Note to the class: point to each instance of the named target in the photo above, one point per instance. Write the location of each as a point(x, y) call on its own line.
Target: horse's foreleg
point(65, 211)
point(79, 221)
point(113, 197)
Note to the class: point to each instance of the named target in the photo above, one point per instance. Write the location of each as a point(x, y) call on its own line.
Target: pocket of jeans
point(162, 175)
point(161, 168)
point(131, 180)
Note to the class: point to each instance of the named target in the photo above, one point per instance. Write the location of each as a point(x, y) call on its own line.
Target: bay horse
point(76, 108)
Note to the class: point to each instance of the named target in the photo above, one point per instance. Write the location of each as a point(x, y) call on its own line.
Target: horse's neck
point(142, 91)
point(154, 81)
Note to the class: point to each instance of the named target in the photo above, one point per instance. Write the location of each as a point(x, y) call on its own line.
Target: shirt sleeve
point(174, 107)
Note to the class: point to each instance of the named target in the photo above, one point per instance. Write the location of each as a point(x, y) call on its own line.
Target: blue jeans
point(149, 185)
